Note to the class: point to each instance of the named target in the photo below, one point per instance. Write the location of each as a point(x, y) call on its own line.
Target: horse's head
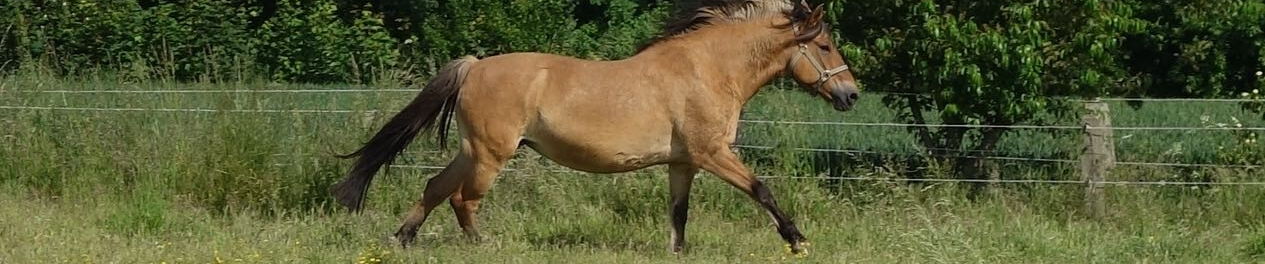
point(816, 63)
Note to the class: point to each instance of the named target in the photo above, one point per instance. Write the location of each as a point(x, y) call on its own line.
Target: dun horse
point(675, 102)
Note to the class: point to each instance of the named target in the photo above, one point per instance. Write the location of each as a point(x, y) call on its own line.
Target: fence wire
point(296, 91)
point(311, 111)
point(190, 110)
point(1120, 99)
point(178, 91)
point(830, 123)
point(207, 110)
point(988, 181)
point(1048, 160)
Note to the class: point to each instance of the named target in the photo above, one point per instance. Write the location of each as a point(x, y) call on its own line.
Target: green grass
point(529, 219)
point(139, 187)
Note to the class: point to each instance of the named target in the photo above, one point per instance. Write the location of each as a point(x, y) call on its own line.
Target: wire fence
point(773, 122)
point(997, 126)
point(190, 110)
point(1031, 159)
point(750, 121)
point(1047, 160)
point(924, 180)
point(1222, 100)
point(1120, 99)
point(365, 90)
point(1026, 159)
point(292, 91)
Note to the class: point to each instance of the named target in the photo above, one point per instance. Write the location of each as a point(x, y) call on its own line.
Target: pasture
point(129, 186)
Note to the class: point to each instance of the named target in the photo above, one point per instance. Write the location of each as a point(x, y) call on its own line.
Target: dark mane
point(704, 13)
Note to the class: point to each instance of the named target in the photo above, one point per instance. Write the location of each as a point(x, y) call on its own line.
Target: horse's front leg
point(722, 162)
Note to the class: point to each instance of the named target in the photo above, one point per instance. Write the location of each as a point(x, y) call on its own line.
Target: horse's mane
point(704, 13)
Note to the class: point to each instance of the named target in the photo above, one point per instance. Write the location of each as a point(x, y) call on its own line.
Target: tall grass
point(202, 187)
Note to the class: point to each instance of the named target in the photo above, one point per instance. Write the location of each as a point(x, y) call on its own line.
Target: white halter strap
point(823, 73)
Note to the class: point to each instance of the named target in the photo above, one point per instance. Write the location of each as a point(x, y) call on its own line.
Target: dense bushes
point(183, 39)
point(307, 40)
point(1010, 62)
point(960, 49)
point(310, 44)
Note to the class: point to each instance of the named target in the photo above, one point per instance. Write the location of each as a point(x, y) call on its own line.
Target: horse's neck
point(739, 58)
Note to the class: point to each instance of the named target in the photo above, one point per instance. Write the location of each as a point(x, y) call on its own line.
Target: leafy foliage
point(307, 43)
point(320, 41)
point(1011, 62)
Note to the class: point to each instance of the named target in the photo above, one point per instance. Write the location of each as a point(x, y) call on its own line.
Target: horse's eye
point(824, 48)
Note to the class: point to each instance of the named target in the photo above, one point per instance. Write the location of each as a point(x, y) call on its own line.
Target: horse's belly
point(604, 150)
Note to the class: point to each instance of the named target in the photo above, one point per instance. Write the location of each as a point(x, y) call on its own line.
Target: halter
point(823, 74)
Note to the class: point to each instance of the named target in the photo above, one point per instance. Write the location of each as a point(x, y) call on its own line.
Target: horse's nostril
point(854, 96)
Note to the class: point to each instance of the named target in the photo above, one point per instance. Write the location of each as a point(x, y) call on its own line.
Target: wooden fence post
point(1098, 156)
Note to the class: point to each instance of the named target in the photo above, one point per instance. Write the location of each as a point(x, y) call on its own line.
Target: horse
point(675, 102)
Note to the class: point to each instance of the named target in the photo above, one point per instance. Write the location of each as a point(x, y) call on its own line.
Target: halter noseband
point(823, 74)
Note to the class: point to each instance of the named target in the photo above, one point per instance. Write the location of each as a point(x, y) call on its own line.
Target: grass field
point(175, 187)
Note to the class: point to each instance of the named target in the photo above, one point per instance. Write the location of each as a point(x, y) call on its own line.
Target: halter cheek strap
point(823, 73)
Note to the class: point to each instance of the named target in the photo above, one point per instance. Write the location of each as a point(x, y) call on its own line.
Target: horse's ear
point(815, 17)
point(800, 11)
point(811, 27)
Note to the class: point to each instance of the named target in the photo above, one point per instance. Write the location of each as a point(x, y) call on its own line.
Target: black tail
point(431, 109)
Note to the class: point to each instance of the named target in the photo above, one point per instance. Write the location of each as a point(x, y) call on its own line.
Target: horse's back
point(524, 75)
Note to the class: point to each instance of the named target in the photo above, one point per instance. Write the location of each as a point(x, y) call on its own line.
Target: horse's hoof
point(474, 238)
point(798, 249)
point(404, 239)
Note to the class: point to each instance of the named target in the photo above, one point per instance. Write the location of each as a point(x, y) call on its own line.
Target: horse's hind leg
point(465, 202)
point(479, 161)
point(465, 216)
point(438, 188)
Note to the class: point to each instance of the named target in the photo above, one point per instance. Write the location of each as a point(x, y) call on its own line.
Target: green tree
point(189, 39)
point(1197, 48)
point(308, 43)
point(992, 62)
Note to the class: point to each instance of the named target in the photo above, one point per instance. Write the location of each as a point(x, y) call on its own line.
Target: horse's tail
point(431, 109)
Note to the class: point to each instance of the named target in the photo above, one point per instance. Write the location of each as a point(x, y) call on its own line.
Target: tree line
point(1038, 47)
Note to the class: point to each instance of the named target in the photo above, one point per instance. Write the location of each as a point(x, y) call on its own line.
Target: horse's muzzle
point(845, 97)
